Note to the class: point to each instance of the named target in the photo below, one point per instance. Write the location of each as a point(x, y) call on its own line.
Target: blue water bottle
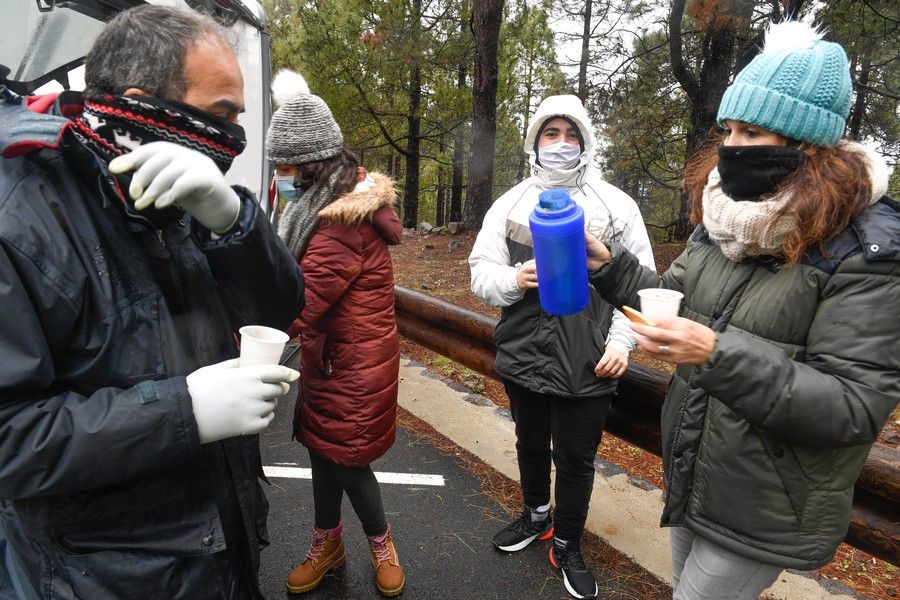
point(557, 231)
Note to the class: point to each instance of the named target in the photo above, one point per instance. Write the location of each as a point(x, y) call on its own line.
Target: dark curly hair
point(317, 173)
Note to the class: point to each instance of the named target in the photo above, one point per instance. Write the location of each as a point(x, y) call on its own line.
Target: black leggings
point(330, 481)
point(575, 427)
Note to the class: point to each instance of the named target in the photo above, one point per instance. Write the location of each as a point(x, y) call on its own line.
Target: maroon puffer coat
point(350, 353)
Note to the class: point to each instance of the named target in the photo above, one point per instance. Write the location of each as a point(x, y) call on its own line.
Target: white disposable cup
point(261, 345)
point(660, 302)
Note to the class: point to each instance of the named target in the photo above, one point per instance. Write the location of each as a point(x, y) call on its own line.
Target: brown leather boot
point(388, 573)
point(326, 553)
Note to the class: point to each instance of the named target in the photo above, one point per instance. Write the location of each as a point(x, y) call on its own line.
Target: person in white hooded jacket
point(559, 372)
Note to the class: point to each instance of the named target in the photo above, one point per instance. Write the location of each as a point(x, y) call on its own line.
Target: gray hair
point(145, 48)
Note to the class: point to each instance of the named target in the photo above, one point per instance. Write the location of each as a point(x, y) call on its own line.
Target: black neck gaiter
point(749, 172)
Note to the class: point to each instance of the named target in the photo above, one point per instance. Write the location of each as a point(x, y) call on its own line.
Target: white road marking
point(280, 470)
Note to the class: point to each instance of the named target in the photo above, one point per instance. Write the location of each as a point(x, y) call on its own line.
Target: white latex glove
point(229, 400)
point(168, 173)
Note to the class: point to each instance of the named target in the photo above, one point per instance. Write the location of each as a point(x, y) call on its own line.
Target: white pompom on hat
point(287, 85)
point(302, 130)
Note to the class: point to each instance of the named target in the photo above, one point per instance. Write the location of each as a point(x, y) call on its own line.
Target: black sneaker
point(522, 532)
point(578, 578)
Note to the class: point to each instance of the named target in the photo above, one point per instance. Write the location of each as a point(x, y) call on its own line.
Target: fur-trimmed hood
point(879, 174)
point(370, 194)
point(371, 199)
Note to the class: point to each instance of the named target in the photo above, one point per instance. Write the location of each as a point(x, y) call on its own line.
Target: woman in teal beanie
point(787, 355)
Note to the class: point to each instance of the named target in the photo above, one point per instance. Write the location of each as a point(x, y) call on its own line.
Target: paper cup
point(660, 302)
point(261, 345)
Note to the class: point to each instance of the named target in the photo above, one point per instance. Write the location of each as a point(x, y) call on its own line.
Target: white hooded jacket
point(504, 242)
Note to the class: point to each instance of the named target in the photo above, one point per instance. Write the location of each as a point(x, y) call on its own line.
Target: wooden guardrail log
point(879, 477)
point(444, 315)
point(464, 350)
point(874, 529)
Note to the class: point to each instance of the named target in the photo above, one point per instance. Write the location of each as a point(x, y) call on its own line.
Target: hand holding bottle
point(526, 276)
point(597, 252)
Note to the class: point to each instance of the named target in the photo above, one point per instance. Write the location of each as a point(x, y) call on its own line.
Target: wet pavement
point(442, 532)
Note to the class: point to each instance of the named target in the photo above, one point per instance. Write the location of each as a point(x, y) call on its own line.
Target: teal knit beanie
point(799, 86)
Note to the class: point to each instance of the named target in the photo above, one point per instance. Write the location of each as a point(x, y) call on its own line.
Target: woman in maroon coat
point(349, 342)
point(338, 221)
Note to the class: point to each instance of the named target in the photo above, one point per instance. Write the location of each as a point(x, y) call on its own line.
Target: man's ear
point(135, 92)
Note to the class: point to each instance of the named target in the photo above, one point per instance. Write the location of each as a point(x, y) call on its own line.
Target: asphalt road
point(442, 532)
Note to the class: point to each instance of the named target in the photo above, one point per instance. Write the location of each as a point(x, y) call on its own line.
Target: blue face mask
point(286, 188)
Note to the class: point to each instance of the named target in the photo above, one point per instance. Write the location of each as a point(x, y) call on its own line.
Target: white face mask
point(560, 155)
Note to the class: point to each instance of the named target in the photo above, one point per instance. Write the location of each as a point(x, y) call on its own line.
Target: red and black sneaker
point(523, 531)
point(577, 577)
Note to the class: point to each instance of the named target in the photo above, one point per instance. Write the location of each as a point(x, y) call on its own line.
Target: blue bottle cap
point(554, 199)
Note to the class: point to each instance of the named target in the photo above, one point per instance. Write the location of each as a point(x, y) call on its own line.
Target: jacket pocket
point(736, 485)
point(143, 575)
point(327, 363)
point(313, 352)
point(789, 470)
point(141, 323)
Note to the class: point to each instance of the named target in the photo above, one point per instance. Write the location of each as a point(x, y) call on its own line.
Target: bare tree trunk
point(486, 16)
point(585, 53)
point(440, 200)
point(705, 91)
point(439, 205)
point(526, 121)
point(459, 159)
point(393, 166)
point(859, 106)
point(413, 120)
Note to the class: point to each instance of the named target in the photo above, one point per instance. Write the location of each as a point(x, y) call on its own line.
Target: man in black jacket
point(129, 462)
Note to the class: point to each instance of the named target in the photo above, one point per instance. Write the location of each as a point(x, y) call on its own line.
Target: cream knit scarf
point(744, 228)
point(748, 228)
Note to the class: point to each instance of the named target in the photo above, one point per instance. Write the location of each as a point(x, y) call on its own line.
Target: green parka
point(762, 445)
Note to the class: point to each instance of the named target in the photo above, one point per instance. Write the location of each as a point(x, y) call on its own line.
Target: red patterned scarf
point(115, 125)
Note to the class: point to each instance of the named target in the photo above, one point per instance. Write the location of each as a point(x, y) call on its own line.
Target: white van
point(44, 43)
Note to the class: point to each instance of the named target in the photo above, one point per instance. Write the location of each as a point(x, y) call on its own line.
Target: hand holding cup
point(676, 340)
point(230, 400)
point(664, 335)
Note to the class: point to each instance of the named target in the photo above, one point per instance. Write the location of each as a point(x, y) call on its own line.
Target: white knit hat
point(302, 130)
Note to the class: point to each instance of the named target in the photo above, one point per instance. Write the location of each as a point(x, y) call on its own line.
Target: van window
point(42, 42)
